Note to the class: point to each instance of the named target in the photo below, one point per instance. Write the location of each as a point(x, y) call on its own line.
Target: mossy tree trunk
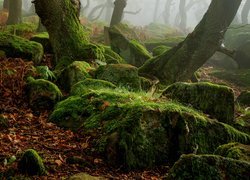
point(245, 12)
point(15, 12)
point(180, 63)
point(61, 19)
point(118, 12)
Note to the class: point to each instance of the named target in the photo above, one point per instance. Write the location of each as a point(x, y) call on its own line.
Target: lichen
point(31, 163)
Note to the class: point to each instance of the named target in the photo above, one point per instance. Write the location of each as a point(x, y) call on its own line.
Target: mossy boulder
point(31, 163)
point(208, 167)
point(134, 130)
point(111, 57)
point(86, 85)
point(43, 38)
point(243, 122)
point(212, 99)
point(22, 29)
point(73, 73)
point(84, 176)
point(120, 74)
point(42, 94)
point(160, 49)
point(234, 150)
point(18, 47)
point(43, 72)
point(244, 98)
point(128, 48)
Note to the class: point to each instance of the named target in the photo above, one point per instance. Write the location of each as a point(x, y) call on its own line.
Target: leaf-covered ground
point(27, 129)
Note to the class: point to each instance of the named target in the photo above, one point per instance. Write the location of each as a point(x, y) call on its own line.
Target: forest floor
point(27, 129)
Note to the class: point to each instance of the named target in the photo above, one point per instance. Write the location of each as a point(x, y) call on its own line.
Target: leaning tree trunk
point(15, 12)
point(118, 12)
point(67, 36)
point(245, 12)
point(179, 63)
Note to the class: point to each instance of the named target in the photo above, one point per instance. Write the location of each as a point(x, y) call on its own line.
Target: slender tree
point(180, 63)
point(245, 12)
point(15, 12)
point(166, 13)
point(118, 11)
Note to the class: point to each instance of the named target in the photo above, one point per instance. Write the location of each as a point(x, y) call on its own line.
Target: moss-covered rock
point(15, 46)
point(215, 100)
point(160, 49)
point(84, 176)
point(86, 85)
point(243, 122)
point(31, 163)
point(234, 150)
point(22, 29)
point(244, 98)
point(43, 38)
point(208, 167)
point(73, 73)
point(137, 131)
point(42, 93)
point(43, 72)
point(112, 57)
point(120, 74)
point(128, 48)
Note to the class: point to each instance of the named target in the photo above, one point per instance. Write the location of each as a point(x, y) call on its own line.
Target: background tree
point(180, 63)
point(6, 4)
point(166, 12)
point(118, 11)
point(15, 12)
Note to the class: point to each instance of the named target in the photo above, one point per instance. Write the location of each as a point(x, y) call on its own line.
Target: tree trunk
point(118, 12)
point(156, 10)
point(180, 63)
point(245, 12)
point(15, 12)
point(6, 4)
point(166, 14)
point(67, 36)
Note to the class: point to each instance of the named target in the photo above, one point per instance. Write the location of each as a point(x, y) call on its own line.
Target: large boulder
point(208, 167)
point(135, 131)
point(126, 46)
point(31, 163)
point(18, 47)
point(212, 99)
point(42, 93)
point(120, 74)
point(234, 150)
point(73, 73)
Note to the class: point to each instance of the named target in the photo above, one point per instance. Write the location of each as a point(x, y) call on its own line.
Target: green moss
point(84, 176)
point(21, 29)
point(112, 57)
point(84, 86)
point(45, 73)
point(121, 75)
point(15, 46)
point(73, 73)
point(215, 100)
point(146, 84)
point(31, 163)
point(42, 93)
point(160, 49)
point(43, 38)
point(208, 167)
point(234, 150)
point(244, 98)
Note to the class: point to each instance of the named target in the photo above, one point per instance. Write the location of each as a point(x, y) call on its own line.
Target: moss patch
point(215, 100)
point(234, 150)
point(31, 163)
point(160, 49)
point(121, 75)
point(15, 46)
point(208, 167)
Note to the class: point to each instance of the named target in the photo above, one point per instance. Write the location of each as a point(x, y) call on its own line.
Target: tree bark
point(245, 12)
point(180, 63)
point(118, 12)
point(15, 12)
point(67, 36)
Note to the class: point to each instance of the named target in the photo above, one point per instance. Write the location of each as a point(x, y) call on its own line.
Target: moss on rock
point(137, 131)
point(86, 85)
point(42, 93)
point(43, 39)
point(31, 163)
point(15, 46)
point(121, 75)
point(215, 100)
point(112, 57)
point(43, 72)
point(208, 167)
point(73, 73)
point(234, 150)
point(22, 29)
point(160, 49)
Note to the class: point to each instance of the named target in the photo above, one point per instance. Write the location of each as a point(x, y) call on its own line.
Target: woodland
point(122, 89)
